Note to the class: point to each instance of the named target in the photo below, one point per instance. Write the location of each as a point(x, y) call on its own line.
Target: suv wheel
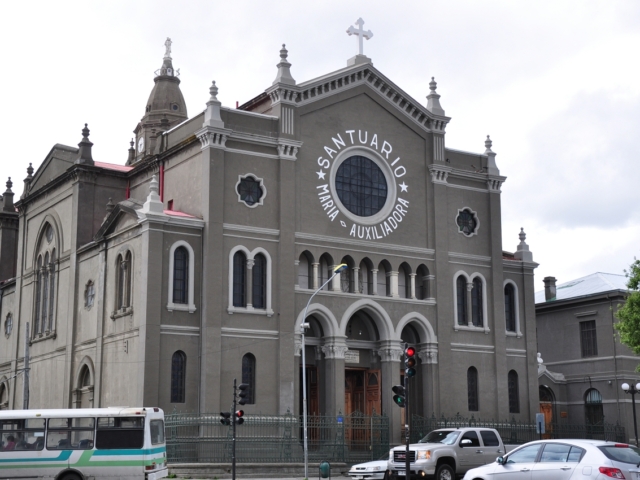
point(445, 472)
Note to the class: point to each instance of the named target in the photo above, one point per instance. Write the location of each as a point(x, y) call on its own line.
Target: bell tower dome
point(165, 108)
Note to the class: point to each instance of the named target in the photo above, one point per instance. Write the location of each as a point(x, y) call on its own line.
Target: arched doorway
point(362, 375)
point(547, 407)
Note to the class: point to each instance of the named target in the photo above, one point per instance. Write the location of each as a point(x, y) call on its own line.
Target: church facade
point(158, 280)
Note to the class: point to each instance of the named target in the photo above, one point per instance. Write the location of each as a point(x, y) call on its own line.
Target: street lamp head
point(638, 386)
point(340, 268)
point(304, 326)
point(625, 387)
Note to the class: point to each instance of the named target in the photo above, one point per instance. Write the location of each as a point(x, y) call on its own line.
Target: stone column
point(314, 280)
point(374, 281)
point(356, 280)
point(334, 351)
point(249, 282)
point(412, 276)
point(393, 284)
point(469, 304)
point(430, 281)
point(390, 354)
point(428, 356)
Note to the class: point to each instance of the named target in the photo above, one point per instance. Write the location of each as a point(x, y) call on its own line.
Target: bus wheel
point(69, 476)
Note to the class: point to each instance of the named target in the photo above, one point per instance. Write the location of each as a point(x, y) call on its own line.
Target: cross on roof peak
point(360, 32)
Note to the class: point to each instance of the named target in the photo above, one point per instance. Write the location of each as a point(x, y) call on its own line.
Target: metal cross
point(360, 33)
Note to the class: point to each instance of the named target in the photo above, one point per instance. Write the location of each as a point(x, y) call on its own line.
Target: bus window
point(70, 433)
point(157, 431)
point(120, 432)
point(21, 434)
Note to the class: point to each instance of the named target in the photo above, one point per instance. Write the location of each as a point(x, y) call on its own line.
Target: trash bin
point(325, 470)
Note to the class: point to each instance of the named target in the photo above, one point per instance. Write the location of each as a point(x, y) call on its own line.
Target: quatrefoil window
point(467, 221)
point(251, 190)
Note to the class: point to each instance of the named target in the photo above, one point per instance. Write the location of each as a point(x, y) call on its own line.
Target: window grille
point(472, 389)
point(588, 340)
point(509, 308)
point(178, 374)
point(361, 186)
point(476, 303)
point(180, 275)
point(249, 377)
point(259, 290)
point(461, 299)
point(239, 273)
point(514, 393)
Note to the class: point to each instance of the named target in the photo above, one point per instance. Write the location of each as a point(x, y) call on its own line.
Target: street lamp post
point(339, 269)
point(633, 389)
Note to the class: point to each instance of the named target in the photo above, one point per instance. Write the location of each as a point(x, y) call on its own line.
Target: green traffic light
point(398, 400)
point(410, 372)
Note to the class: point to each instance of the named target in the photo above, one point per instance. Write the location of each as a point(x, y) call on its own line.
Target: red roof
point(175, 213)
point(113, 166)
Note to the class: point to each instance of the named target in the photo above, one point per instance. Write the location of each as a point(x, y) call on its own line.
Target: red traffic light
point(410, 351)
point(238, 418)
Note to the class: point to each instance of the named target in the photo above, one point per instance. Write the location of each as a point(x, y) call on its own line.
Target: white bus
point(83, 444)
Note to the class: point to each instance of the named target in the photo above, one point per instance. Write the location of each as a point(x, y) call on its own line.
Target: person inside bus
point(11, 443)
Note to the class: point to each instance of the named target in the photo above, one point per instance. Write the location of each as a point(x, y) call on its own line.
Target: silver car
point(563, 460)
point(373, 470)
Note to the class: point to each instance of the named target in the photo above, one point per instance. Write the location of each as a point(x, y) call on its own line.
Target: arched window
point(325, 272)
point(365, 278)
point(123, 297)
point(461, 299)
point(239, 283)
point(422, 283)
point(510, 307)
point(384, 284)
point(4, 396)
point(89, 294)
point(305, 273)
point(472, 389)
point(259, 287)
point(180, 275)
point(178, 375)
point(594, 415)
point(476, 303)
point(45, 284)
point(249, 377)
point(404, 284)
point(514, 392)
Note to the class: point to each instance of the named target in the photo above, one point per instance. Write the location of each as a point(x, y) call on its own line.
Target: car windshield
point(621, 453)
point(448, 437)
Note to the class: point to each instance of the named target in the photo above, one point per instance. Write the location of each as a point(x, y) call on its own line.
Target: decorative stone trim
point(390, 354)
point(494, 184)
point(333, 351)
point(260, 202)
point(439, 174)
point(190, 306)
point(123, 312)
point(429, 356)
point(287, 152)
point(210, 138)
point(475, 217)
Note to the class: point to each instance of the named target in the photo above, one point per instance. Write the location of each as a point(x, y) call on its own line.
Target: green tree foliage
point(629, 313)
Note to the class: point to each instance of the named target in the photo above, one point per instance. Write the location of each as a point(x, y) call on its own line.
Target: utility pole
point(25, 381)
point(233, 455)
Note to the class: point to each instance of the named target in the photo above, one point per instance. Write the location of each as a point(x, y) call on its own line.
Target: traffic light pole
point(407, 471)
point(234, 421)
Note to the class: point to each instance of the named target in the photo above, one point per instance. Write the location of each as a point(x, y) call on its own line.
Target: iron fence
point(201, 438)
point(516, 433)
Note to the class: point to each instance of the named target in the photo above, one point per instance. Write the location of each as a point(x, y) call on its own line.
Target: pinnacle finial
point(522, 236)
point(30, 170)
point(433, 85)
point(488, 143)
point(284, 53)
point(110, 205)
point(284, 75)
point(213, 90)
point(9, 185)
point(153, 186)
point(85, 131)
point(131, 143)
point(84, 152)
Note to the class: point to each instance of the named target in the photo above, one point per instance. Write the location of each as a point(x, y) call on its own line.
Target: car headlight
point(373, 469)
point(423, 454)
point(391, 455)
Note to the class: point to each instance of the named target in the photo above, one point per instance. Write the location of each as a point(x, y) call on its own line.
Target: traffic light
point(399, 397)
point(226, 418)
point(238, 417)
point(409, 361)
point(243, 387)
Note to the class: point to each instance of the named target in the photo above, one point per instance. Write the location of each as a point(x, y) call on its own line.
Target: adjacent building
point(583, 363)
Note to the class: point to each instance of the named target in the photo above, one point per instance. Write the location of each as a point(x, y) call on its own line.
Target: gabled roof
point(590, 285)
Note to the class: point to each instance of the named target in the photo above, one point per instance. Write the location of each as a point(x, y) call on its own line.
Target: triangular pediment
point(122, 217)
point(351, 77)
point(57, 161)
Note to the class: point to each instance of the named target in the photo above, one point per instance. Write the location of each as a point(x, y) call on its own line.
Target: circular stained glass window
point(249, 190)
point(361, 186)
point(467, 222)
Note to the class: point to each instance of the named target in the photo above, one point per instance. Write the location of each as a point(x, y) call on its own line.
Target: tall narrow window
point(461, 299)
point(124, 281)
point(180, 275)
point(259, 283)
point(249, 377)
point(514, 392)
point(178, 374)
point(52, 286)
point(510, 307)
point(239, 269)
point(476, 303)
point(45, 293)
point(588, 340)
point(472, 389)
point(404, 283)
point(36, 322)
point(594, 414)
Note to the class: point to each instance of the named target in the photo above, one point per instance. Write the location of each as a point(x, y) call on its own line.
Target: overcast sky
point(555, 83)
